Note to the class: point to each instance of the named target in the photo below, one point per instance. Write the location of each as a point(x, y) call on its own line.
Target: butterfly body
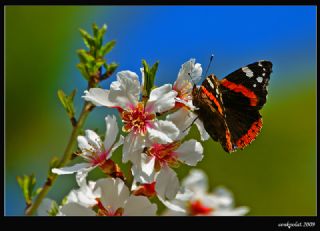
point(229, 109)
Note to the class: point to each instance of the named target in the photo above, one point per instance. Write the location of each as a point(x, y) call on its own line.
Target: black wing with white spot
point(244, 93)
point(247, 86)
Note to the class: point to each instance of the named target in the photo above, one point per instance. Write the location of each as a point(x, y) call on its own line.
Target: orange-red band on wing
point(250, 135)
point(213, 98)
point(242, 89)
point(228, 141)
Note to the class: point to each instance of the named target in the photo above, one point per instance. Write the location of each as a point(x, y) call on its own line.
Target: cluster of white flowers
point(154, 147)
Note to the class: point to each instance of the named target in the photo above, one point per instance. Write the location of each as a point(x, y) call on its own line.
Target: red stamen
point(148, 190)
point(164, 153)
point(197, 208)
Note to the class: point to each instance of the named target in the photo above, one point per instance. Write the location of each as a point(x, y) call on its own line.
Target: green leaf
point(62, 96)
point(64, 200)
point(27, 184)
point(112, 68)
point(73, 93)
point(105, 49)
point(54, 209)
point(95, 29)
point(67, 102)
point(37, 191)
point(99, 37)
point(153, 71)
point(87, 38)
point(83, 70)
point(149, 78)
point(85, 57)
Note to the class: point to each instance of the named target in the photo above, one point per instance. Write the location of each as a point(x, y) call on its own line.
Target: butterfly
point(229, 108)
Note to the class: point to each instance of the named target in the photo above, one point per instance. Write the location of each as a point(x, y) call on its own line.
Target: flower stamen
point(164, 154)
point(107, 211)
point(137, 119)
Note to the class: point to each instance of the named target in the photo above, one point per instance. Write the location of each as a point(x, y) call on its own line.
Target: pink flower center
point(165, 154)
point(98, 158)
point(102, 211)
point(197, 208)
point(137, 119)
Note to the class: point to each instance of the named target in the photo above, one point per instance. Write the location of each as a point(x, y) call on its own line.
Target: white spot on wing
point(254, 85)
point(263, 74)
point(248, 72)
point(217, 91)
point(259, 64)
point(211, 84)
point(259, 79)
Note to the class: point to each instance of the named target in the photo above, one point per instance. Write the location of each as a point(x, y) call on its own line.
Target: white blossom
point(139, 120)
point(93, 150)
point(202, 203)
point(106, 197)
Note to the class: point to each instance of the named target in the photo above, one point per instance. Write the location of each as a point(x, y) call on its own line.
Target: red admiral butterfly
point(229, 109)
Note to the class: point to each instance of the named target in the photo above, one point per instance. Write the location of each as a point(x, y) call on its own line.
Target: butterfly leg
point(191, 124)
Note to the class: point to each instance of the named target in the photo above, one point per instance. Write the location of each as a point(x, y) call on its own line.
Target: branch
point(87, 108)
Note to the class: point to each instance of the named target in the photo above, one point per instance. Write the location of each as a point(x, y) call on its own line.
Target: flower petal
point(140, 176)
point(203, 133)
point(180, 202)
point(86, 198)
point(115, 146)
point(171, 213)
point(163, 132)
point(167, 184)
point(173, 205)
point(139, 206)
point(114, 192)
point(161, 99)
point(82, 174)
point(112, 131)
point(196, 181)
point(239, 211)
point(85, 147)
point(85, 195)
point(93, 139)
point(189, 70)
point(71, 169)
point(126, 90)
point(183, 119)
point(190, 152)
point(224, 196)
point(142, 77)
point(132, 147)
point(147, 164)
point(99, 97)
point(74, 209)
point(188, 103)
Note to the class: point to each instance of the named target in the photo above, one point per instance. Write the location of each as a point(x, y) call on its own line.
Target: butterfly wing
point(247, 87)
point(208, 100)
point(244, 93)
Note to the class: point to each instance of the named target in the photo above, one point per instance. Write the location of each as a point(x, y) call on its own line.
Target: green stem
point(65, 159)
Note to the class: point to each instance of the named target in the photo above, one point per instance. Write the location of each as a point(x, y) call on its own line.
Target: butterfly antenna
point(211, 58)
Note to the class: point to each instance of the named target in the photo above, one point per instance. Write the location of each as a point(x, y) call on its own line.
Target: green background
point(274, 176)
